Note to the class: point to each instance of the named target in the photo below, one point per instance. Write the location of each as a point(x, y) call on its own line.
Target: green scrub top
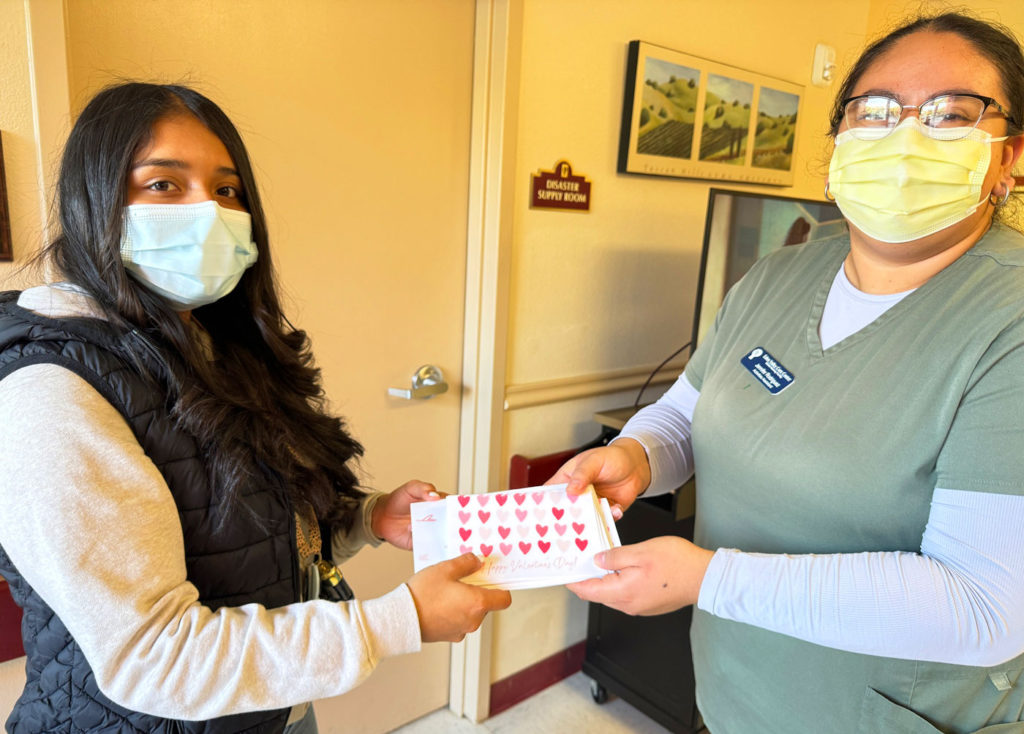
point(844, 459)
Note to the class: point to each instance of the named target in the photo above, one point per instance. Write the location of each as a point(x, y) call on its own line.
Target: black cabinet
point(646, 660)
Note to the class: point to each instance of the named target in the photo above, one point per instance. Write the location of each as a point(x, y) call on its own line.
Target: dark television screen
point(741, 227)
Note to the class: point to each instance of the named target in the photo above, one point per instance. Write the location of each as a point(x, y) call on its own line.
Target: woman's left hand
point(653, 577)
point(390, 519)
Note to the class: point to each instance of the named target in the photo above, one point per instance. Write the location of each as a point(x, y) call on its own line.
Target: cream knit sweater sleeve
point(90, 523)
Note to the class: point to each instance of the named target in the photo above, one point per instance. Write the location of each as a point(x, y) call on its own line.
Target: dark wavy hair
point(995, 42)
point(257, 410)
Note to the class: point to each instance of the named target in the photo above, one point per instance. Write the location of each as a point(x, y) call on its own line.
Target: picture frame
point(688, 117)
point(6, 249)
point(741, 227)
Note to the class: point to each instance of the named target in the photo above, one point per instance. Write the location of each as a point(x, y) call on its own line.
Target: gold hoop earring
point(827, 197)
point(996, 201)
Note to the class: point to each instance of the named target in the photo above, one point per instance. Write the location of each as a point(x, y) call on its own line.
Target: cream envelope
point(526, 538)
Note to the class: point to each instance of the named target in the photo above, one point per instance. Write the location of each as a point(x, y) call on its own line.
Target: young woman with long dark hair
point(174, 494)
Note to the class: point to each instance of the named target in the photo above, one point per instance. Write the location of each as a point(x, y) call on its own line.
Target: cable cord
point(657, 369)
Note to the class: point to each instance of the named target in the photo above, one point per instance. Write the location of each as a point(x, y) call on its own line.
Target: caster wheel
point(598, 692)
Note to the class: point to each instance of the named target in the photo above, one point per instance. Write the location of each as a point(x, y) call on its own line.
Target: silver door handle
point(427, 382)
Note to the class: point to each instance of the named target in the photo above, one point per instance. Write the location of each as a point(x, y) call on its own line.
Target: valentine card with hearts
point(526, 538)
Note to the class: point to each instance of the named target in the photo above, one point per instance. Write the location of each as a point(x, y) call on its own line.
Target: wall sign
point(560, 189)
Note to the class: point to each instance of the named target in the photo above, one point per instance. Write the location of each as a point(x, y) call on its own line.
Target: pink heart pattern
point(535, 534)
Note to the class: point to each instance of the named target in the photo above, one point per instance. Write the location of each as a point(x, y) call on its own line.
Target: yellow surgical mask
point(905, 185)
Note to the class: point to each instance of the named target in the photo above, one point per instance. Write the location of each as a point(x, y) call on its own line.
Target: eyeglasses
point(946, 117)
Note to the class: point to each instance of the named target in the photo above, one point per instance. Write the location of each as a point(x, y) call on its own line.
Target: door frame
point(497, 53)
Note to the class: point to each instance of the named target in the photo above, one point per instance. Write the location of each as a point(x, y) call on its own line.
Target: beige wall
point(24, 155)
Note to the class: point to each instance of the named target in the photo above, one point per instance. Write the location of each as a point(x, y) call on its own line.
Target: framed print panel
point(6, 250)
point(688, 117)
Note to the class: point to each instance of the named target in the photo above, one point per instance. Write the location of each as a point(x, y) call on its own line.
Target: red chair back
point(532, 472)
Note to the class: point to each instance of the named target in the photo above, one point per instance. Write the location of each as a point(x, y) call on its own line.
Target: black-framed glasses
point(945, 117)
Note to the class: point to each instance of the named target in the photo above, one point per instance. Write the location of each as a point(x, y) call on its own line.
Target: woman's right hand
point(619, 471)
point(449, 609)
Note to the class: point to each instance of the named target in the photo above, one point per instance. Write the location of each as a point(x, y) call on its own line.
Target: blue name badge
point(767, 370)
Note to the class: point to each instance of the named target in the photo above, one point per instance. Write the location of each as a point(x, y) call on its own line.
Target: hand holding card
point(526, 538)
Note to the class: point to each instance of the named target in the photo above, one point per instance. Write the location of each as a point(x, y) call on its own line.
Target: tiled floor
point(566, 706)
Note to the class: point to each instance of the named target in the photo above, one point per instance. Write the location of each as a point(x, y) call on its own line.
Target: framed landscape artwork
point(688, 117)
point(6, 252)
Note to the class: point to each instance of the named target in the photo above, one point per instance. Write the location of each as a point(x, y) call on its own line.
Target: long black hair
point(257, 409)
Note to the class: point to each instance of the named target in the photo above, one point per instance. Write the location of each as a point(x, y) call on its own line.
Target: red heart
point(506, 548)
point(578, 527)
point(484, 516)
point(581, 543)
point(524, 547)
point(482, 499)
point(465, 533)
point(557, 512)
point(543, 545)
point(503, 532)
point(501, 499)
point(485, 550)
point(542, 530)
point(463, 499)
point(519, 498)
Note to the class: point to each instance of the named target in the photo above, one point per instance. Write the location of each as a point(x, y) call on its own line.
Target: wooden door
point(357, 116)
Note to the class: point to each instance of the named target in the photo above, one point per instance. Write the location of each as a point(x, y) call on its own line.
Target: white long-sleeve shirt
point(960, 600)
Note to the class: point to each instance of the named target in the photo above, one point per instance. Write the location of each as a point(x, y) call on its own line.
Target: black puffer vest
point(241, 564)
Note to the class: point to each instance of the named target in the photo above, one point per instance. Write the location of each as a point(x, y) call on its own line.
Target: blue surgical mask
point(190, 254)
